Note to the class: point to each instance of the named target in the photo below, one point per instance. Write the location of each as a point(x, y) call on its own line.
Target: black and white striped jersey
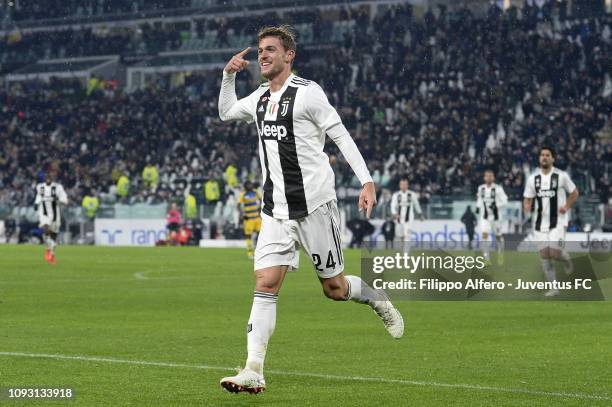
point(292, 124)
point(550, 193)
point(489, 200)
point(48, 198)
point(406, 205)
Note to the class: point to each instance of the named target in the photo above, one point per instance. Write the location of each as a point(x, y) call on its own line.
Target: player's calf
point(335, 288)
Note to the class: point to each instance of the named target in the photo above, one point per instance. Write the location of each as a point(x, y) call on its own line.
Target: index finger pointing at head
point(243, 52)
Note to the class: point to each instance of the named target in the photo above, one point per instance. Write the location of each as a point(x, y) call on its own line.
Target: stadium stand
point(440, 96)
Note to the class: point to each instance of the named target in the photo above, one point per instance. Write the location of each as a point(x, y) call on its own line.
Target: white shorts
point(48, 221)
point(318, 233)
point(490, 227)
point(554, 238)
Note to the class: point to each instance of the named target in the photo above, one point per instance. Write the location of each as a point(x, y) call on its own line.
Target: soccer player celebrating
point(249, 205)
point(555, 194)
point(404, 207)
point(49, 196)
point(490, 199)
point(293, 117)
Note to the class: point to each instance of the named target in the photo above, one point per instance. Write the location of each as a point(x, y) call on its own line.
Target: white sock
point(50, 243)
point(260, 328)
point(360, 292)
point(486, 244)
point(53, 244)
point(500, 245)
point(567, 262)
point(549, 270)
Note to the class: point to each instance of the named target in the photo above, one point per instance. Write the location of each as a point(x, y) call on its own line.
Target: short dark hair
point(284, 32)
point(549, 148)
point(404, 177)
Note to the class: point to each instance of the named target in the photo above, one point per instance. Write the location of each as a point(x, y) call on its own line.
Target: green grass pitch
point(161, 326)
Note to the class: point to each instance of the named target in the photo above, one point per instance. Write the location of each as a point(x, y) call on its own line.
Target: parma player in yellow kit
point(249, 205)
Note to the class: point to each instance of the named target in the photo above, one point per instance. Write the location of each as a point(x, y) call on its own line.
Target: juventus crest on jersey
point(489, 200)
point(48, 198)
point(550, 193)
point(406, 205)
point(292, 124)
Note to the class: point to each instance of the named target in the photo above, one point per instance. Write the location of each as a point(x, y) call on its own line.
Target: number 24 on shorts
point(330, 263)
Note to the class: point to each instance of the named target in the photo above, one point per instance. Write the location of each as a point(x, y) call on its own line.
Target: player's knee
point(268, 282)
point(266, 285)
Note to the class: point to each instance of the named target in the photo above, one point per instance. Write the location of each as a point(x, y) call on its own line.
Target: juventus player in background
point(49, 196)
point(490, 199)
point(293, 118)
point(554, 194)
point(404, 207)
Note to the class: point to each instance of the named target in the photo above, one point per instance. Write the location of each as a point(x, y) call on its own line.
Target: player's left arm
point(61, 195)
point(417, 206)
point(502, 198)
point(38, 199)
point(571, 189)
point(328, 120)
point(529, 195)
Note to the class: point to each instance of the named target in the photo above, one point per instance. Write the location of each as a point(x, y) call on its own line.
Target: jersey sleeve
point(38, 199)
point(230, 108)
point(479, 202)
point(241, 198)
point(394, 204)
point(568, 184)
point(416, 205)
point(502, 198)
point(61, 195)
point(529, 188)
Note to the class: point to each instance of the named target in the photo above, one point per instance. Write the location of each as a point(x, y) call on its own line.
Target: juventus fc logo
point(284, 108)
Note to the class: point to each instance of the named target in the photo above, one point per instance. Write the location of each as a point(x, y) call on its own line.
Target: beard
point(273, 72)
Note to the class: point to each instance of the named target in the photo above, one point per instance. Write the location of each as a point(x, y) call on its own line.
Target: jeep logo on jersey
point(547, 193)
point(277, 131)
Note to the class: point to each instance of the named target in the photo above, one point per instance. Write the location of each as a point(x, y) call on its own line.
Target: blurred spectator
point(360, 228)
point(231, 178)
point(90, 205)
point(173, 218)
point(150, 177)
point(388, 231)
point(10, 226)
point(123, 187)
point(212, 191)
point(469, 221)
point(191, 208)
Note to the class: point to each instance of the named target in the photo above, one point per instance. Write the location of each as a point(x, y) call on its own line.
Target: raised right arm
point(230, 108)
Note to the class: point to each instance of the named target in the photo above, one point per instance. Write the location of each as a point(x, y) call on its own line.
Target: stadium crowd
point(44, 9)
point(439, 98)
point(20, 48)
